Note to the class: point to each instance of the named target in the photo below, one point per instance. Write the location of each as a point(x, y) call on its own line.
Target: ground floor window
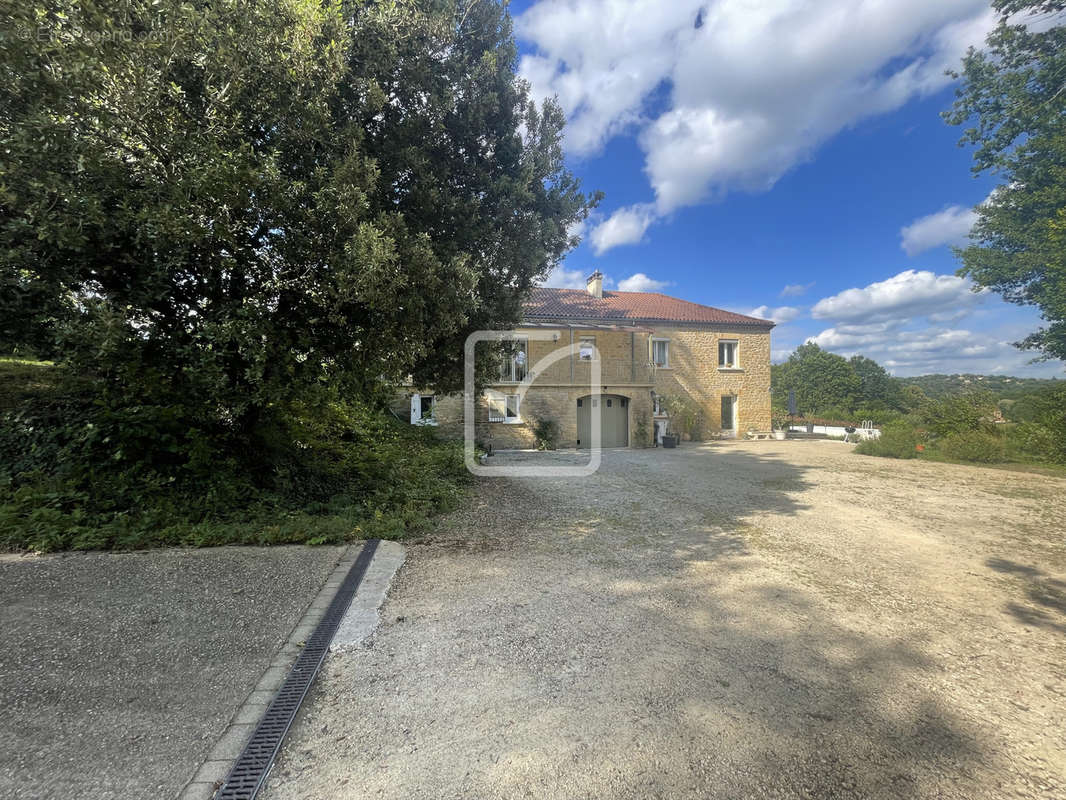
point(505, 408)
point(422, 409)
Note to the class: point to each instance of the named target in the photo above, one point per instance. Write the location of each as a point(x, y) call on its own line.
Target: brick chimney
point(594, 284)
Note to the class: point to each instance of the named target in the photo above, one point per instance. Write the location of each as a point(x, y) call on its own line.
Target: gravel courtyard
point(767, 619)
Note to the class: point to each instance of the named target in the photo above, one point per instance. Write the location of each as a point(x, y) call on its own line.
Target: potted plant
point(671, 439)
point(780, 428)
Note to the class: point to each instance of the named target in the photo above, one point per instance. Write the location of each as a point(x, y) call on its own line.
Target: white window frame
point(510, 366)
point(501, 405)
point(736, 354)
point(420, 418)
point(581, 348)
point(666, 362)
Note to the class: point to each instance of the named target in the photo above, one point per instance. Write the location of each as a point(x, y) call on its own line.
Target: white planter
point(780, 435)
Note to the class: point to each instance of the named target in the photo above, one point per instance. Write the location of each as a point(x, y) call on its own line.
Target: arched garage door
point(614, 420)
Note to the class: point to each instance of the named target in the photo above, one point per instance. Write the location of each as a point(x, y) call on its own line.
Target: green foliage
point(232, 204)
point(878, 391)
point(825, 384)
point(898, 440)
point(546, 433)
point(1012, 98)
point(642, 430)
point(686, 415)
point(974, 446)
point(961, 413)
point(77, 474)
point(233, 225)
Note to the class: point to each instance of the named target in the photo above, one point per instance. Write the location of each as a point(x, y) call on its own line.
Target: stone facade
point(694, 371)
point(624, 359)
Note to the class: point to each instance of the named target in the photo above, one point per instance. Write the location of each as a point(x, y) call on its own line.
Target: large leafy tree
point(1013, 100)
point(877, 389)
point(824, 382)
point(226, 204)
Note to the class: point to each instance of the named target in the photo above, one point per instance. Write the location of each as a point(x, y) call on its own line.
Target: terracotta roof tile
point(577, 304)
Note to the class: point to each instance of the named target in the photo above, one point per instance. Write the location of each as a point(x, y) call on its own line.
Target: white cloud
point(796, 289)
point(779, 314)
point(909, 294)
point(562, 278)
point(624, 226)
point(753, 92)
point(950, 226)
point(641, 283)
point(913, 352)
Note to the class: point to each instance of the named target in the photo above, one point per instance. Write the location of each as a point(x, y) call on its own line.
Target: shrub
point(546, 434)
point(959, 413)
point(898, 440)
point(81, 475)
point(1031, 441)
point(981, 447)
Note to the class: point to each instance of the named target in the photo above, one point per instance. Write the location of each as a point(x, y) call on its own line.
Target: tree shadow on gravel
point(1046, 595)
point(670, 661)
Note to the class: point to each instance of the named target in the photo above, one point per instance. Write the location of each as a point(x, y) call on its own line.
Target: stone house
point(654, 354)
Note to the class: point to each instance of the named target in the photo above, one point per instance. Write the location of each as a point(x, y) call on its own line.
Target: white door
point(416, 409)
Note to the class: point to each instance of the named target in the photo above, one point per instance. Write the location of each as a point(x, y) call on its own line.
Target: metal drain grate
point(249, 772)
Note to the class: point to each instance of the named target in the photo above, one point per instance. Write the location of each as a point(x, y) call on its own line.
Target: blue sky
point(785, 158)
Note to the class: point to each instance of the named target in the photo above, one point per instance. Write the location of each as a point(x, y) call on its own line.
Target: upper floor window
point(660, 352)
point(586, 348)
point(515, 358)
point(728, 353)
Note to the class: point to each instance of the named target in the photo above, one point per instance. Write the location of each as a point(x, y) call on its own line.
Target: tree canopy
point(226, 204)
point(1013, 100)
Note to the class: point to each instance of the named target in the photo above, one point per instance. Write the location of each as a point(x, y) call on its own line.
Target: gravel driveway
point(766, 619)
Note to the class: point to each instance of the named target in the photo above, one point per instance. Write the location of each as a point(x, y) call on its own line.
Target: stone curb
point(210, 774)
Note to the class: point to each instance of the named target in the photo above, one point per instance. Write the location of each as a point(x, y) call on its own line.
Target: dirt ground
point(765, 619)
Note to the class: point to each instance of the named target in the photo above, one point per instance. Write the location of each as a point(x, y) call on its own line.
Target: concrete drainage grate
point(250, 770)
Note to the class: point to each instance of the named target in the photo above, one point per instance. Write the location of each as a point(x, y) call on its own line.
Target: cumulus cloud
point(625, 226)
point(753, 91)
point(796, 289)
point(641, 283)
point(905, 324)
point(562, 278)
point(909, 294)
point(950, 226)
point(910, 352)
point(779, 314)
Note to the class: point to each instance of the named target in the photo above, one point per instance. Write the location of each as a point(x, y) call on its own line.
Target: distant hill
point(1003, 386)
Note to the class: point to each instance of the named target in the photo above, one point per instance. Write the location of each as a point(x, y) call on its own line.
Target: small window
point(580, 400)
point(423, 407)
point(657, 406)
point(622, 402)
point(608, 402)
point(587, 348)
point(728, 353)
point(660, 352)
point(505, 408)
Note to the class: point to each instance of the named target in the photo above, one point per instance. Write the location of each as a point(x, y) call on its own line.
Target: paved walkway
point(118, 673)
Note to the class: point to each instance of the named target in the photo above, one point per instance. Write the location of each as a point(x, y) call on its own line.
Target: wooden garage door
point(614, 420)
